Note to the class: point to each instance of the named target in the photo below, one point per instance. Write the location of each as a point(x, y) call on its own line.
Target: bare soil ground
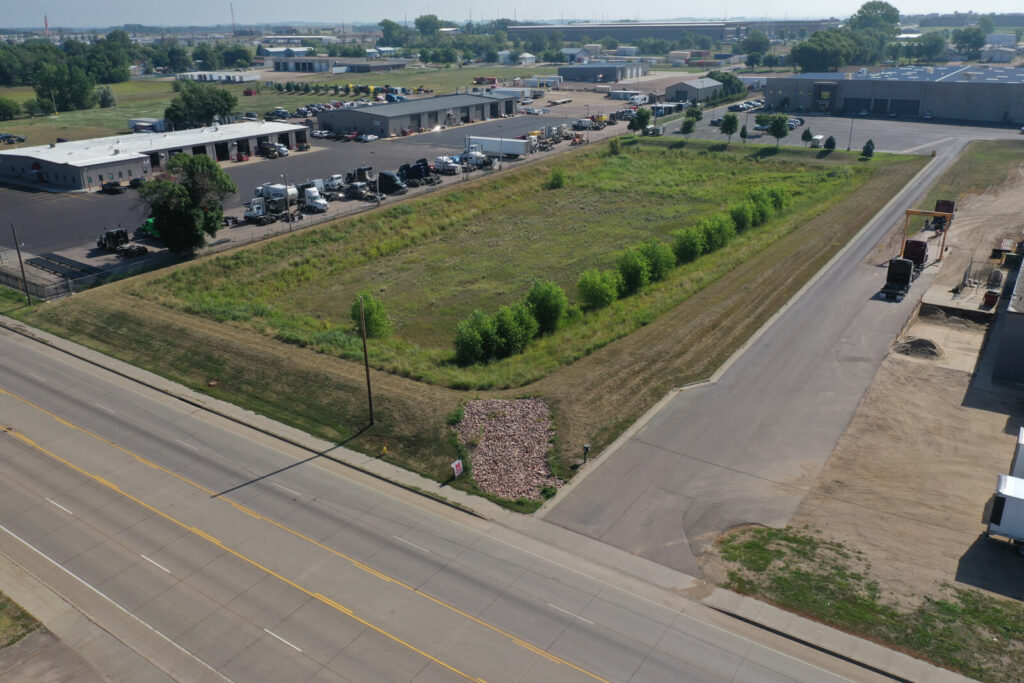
point(908, 481)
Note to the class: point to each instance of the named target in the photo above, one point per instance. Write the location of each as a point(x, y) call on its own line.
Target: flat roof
point(425, 104)
point(102, 150)
point(922, 74)
point(701, 83)
point(592, 65)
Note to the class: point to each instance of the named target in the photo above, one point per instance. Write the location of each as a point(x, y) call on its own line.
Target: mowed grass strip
point(983, 165)
point(433, 261)
point(961, 629)
point(592, 399)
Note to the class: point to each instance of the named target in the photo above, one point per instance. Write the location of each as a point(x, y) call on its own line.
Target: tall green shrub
point(718, 230)
point(688, 245)
point(514, 327)
point(659, 257)
point(377, 322)
point(742, 215)
point(635, 270)
point(469, 346)
point(547, 302)
point(596, 288)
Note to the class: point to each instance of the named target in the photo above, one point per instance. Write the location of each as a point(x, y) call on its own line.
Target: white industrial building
point(999, 54)
point(220, 76)
point(87, 164)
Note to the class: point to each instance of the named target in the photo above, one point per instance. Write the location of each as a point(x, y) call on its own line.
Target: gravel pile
point(508, 443)
point(921, 348)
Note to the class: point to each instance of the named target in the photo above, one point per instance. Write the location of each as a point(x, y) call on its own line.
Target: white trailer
point(1004, 514)
point(499, 147)
point(518, 93)
point(277, 191)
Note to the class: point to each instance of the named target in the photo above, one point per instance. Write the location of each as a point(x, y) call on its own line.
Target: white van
point(638, 99)
point(818, 141)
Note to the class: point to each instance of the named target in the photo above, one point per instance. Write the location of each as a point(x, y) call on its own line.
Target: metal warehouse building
point(972, 93)
point(697, 89)
point(604, 72)
point(671, 31)
point(87, 164)
point(417, 115)
point(337, 64)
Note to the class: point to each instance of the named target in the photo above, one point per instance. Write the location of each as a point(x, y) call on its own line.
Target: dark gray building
point(978, 94)
point(697, 90)
point(604, 72)
point(422, 114)
point(337, 64)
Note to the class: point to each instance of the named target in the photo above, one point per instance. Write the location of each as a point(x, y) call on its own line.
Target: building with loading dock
point(387, 120)
point(976, 94)
point(604, 72)
point(87, 164)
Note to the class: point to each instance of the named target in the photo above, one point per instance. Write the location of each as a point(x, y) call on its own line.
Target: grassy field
point(964, 630)
point(460, 250)
point(983, 165)
point(150, 97)
point(15, 623)
point(676, 332)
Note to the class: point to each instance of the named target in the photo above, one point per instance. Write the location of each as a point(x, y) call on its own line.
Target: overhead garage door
point(852, 105)
point(906, 107)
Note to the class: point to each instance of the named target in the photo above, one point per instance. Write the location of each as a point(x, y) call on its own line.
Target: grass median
point(480, 244)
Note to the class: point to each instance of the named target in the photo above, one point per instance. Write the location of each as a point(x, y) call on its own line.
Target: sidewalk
point(617, 567)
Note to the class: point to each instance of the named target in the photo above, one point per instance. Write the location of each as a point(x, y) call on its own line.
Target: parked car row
point(355, 136)
point(11, 139)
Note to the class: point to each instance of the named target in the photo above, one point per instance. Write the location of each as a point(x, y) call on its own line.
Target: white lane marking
point(419, 547)
point(103, 595)
point(281, 486)
point(32, 374)
point(61, 507)
point(109, 410)
point(282, 640)
point(187, 445)
point(154, 563)
point(571, 614)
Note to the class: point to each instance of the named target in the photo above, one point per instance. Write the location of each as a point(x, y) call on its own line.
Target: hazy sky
point(85, 13)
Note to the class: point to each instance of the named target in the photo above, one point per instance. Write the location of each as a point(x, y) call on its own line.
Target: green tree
point(393, 34)
point(641, 120)
point(377, 322)
point(659, 257)
point(514, 326)
point(930, 46)
point(200, 103)
point(207, 55)
point(986, 24)
point(694, 113)
point(718, 230)
point(771, 61)
point(688, 245)
point(744, 134)
point(105, 97)
point(428, 25)
point(876, 15)
point(596, 288)
point(635, 271)
point(476, 339)
point(178, 59)
point(756, 41)
point(778, 128)
point(687, 126)
point(830, 143)
point(186, 201)
point(806, 136)
point(8, 109)
point(763, 118)
point(753, 59)
point(742, 215)
point(969, 40)
point(547, 302)
point(868, 149)
point(70, 87)
point(730, 124)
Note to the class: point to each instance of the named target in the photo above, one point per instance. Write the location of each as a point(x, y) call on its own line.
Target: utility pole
point(234, 31)
point(24, 280)
point(850, 140)
point(366, 358)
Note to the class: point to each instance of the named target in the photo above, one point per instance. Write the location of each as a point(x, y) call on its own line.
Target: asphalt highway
point(744, 449)
point(255, 561)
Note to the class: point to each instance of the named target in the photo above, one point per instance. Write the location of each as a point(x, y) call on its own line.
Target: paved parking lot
point(55, 222)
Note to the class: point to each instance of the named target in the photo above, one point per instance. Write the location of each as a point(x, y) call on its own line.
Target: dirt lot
point(908, 480)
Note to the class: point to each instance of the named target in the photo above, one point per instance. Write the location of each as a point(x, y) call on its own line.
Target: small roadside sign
point(457, 467)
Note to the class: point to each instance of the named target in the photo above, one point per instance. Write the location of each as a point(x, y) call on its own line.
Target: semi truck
point(917, 252)
point(900, 274)
point(499, 147)
point(311, 200)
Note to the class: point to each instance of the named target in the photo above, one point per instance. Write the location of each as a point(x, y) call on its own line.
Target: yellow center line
point(298, 534)
point(207, 537)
